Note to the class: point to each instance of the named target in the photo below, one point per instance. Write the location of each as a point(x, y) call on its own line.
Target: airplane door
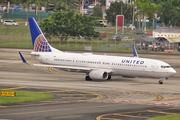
point(44, 58)
point(154, 67)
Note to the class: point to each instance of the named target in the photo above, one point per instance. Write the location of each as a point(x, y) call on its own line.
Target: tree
point(168, 13)
point(143, 6)
point(115, 9)
point(176, 4)
point(63, 5)
point(37, 3)
point(133, 5)
point(127, 12)
point(151, 13)
point(69, 23)
point(97, 12)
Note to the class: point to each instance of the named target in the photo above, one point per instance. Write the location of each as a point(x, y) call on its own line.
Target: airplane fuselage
point(121, 66)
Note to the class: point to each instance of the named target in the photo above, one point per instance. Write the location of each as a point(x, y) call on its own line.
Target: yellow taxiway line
point(15, 88)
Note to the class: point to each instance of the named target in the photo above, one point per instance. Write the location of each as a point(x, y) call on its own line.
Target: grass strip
point(168, 117)
point(25, 96)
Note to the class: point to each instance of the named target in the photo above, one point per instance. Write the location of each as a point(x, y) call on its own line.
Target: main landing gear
point(161, 80)
point(109, 77)
point(87, 78)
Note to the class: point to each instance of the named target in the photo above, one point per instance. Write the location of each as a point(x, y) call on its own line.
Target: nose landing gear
point(161, 80)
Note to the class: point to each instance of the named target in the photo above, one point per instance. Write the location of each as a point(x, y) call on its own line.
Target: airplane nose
point(173, 71)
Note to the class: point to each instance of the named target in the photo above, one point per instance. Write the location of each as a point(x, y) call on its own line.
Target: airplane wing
point(63, 67)
point(69, 68)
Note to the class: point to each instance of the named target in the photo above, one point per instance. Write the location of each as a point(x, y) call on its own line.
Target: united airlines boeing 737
point(96, 67)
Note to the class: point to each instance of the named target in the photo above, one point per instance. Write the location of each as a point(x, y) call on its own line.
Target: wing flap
point(69, 68)
point(63, 67)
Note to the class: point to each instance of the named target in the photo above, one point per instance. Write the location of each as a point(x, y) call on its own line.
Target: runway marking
point(2, 106)
point(109, 119)
point(158, 97)
point(155, 90)
point(63, 109)
point(130, 116)
point(50, 69)
point(118, 114)
point(15, 88)
point(97, 98)
point(160, 112)
point(89, 100)
point(58, 91)
point(171, 99)
point(73, 97)
point(123, 113)
point(76, 94)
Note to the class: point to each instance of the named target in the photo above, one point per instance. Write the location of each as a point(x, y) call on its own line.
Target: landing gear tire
point(87, 78)
point(109, 77)
point(160, 81)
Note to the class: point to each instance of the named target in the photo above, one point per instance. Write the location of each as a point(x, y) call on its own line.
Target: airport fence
point(24, 15)
point(21, 40)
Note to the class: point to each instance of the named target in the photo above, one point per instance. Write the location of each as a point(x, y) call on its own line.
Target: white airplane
point(96, 67)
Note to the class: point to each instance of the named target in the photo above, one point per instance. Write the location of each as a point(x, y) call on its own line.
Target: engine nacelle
point(98, 75)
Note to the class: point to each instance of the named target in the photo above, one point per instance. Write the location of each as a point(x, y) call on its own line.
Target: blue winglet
point(135, 52)
point(24, 61)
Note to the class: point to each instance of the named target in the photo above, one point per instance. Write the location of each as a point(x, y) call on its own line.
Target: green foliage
point(69, 23)
point(115, 9)
point(63, 5)
point(103, 2)
point(169, 13)
point(168, 117)
point(97, 12)
point(25, 96)
point(127, 12)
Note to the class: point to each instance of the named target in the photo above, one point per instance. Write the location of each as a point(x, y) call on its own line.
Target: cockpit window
point(165, 66)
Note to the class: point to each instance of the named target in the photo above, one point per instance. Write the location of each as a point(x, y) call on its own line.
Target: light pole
point(121, 7)
point(83, 8)
point(66, 5)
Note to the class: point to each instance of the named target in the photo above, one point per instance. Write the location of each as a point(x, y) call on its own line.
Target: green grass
point(14, 30)
point(25, 96)
point(19, 37)
point(168, 117)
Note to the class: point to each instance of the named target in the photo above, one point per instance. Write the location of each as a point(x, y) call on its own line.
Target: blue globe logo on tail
point(41, 45)
point(39, 42)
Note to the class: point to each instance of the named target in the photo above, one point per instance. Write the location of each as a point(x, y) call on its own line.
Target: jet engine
point(98, 75)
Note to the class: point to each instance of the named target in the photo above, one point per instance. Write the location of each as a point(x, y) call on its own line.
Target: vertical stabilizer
point(40, 44)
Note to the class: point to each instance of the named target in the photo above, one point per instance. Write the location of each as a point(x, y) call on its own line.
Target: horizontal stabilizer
point(22, 58)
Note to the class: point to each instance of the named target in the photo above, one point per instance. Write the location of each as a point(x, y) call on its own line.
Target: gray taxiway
point(76, 99)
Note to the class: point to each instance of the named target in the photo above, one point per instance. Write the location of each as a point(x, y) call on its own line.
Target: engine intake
point(98, 75)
